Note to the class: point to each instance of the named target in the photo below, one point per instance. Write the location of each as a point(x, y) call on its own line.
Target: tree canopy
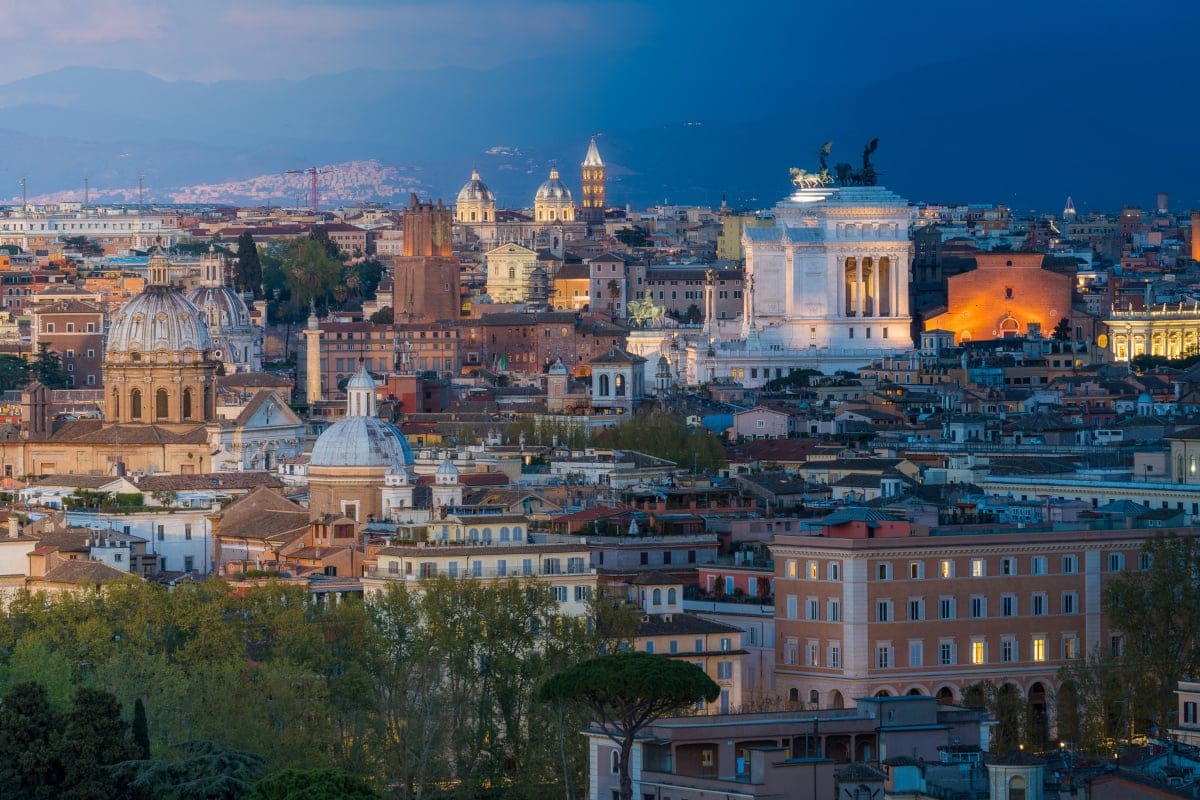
point(249, 275)
point(312, 784)
point(627, 691)
point(662, 434)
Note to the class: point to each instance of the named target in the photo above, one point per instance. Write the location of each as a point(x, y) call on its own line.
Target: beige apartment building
point(870, 606)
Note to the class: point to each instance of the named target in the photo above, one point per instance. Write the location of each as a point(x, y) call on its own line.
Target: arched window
point(135, 404)
point(504, 533)
point(620, 383)
point(657, 597)
point(187, 403)
point(604, 386)
point(614, 761)
point(160, 404)
point(671, 597)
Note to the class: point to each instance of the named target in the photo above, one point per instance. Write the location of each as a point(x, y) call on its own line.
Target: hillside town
point(878, 468)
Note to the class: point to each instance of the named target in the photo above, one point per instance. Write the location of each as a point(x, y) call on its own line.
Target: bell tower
point(593, 185)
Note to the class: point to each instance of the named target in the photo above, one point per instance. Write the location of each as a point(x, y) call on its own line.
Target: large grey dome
point(223, 308)
point(361, 442)
point(160, 318)
point(553, 190)
point(475, 191)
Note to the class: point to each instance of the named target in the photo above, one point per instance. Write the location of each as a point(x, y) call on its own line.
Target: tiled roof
point(83, 572)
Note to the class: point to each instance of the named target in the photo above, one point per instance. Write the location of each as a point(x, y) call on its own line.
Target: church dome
point(361, 439)
point(446, 473)
point(361, 442)
point(475, 191)
point(223, 308)
point(553, 190)
point(160, 318)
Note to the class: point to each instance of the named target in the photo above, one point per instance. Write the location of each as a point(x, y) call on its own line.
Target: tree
point(312, 784)
point(627, 691)
point(384, 316)
point(30, 731)
point(94, 738)
point(140, 730)
point(47, 367)
point(1062, 331)
point(633, 237)
point(249, 275)
point(204, 771)
point(1157, 610)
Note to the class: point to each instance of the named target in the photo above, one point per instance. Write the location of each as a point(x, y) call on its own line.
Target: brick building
point(867, 605)
point(75, 331)
point(530, 342)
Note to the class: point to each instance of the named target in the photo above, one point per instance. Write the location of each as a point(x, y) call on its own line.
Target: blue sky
point(221, 39)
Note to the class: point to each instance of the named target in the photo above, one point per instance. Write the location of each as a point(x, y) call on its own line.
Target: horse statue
point(803, 179)
point(645, 313)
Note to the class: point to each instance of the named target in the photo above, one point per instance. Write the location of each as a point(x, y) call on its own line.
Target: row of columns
point(885, 298)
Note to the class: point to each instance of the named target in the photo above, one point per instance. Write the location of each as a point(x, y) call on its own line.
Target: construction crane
point(313, 172)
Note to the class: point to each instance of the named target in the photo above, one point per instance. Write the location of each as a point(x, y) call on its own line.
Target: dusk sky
point(1093, 99)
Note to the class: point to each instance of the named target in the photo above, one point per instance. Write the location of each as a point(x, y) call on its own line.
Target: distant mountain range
point(1106, 135)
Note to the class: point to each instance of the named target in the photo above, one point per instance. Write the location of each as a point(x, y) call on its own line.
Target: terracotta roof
point(265, 515)
point(91, 431)
point(254, 379)
point(210, 480)
point(83, 572)
point(682, 625)
point(655, 578)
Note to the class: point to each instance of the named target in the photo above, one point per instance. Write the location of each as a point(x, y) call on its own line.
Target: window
point(698, 645)
point(835, 656)
point(835, 570)
point(1008, 566)
point(916, 570)
point(1189, 711)
point(1116, 562)
point(1070, 646)
point(946, 568)
point(883, 656)
point(187, 531)
point(501, 567)
point(916, 609)
point(833, 610)
point(978, 568)
point(1037, 605)
point(452, 571)
point(726, 644)
point(673, 646)
point(883, 571)
point(1070, 603)
point(792, 606)
point(978, 651)
point(161, 533)
point(813, 571)
point(1008, 649)
point(978, 607)
point(1145, 560)
point(1070, 565)
point(1116, 646)
point(649, 647)
point(883, 611)
point(791, 570)
point(916, 653)
point(1008, 605)
point(813, 657)
point(724, 670)
point(812, 609)
point(946, 608)
point(946, 656)
point(1039, 648)
point(1037, 565)
point(189, 563)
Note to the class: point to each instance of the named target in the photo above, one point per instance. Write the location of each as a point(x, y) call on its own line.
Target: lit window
point(792, 568)
point(978, 652)
point(978, 567)
point(946, 568)
point(1039, 648)
point(916, 570)
point(813, 572)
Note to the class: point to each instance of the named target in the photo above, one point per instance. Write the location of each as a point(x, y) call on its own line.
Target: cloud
point(63, 22)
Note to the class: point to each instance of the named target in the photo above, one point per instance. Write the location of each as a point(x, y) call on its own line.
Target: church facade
point(826, 289)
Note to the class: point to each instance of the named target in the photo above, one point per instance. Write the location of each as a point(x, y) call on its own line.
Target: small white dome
point(553, 190)
point(361, 442)
point(475, 191)
point(446, 473)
